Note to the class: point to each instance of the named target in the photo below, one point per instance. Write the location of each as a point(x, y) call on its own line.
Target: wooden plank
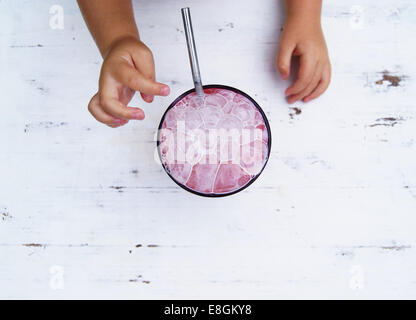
point(332, 216)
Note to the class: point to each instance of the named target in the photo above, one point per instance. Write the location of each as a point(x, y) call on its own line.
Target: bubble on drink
point(215, 145)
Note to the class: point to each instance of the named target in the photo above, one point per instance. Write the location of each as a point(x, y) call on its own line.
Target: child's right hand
point(128, 67)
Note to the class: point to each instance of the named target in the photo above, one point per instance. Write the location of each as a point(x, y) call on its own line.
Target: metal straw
point(193, 57)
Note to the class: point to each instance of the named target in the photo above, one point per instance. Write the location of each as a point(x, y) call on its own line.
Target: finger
point(116, 125)
point(133, 79)
point(322, 86)
point(118, 110)
point(95, 109)
point(144, 62)
point(309, 88)
point(125, 95)
point(307, 67)
point(146, 97)
point(284, 56)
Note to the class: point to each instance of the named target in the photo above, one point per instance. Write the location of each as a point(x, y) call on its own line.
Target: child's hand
point(128, 67)
point(305, 39)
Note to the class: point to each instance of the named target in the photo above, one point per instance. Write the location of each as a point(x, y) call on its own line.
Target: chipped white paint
point(332, 216)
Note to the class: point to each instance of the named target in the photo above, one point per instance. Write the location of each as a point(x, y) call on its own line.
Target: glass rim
point(269, 140)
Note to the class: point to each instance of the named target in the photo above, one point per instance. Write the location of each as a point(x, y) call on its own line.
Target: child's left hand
point(305, 40)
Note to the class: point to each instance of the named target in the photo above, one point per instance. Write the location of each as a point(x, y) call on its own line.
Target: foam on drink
point(215, 146)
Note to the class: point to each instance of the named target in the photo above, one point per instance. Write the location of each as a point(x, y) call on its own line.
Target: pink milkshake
point(216, 145)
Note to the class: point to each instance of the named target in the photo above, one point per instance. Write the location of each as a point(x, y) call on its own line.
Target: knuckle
point(125, 113)
point(143, 53)
point(90, 107)
point(105, 68)
point(320, 90)
point(327, 82)
point(155, 89)
point(300, 84)
point(313, 85)
point(146, 53)
point(151, 88)
point(93, 102)
point(314, 94)
point(105, 103)
point(304, 75)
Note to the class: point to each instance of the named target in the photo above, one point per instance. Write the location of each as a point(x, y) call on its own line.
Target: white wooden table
point(86, 211)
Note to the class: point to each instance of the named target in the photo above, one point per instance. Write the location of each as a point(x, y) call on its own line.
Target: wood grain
point(332, 216)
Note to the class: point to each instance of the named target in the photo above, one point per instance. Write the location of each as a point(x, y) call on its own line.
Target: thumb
point(284, 57)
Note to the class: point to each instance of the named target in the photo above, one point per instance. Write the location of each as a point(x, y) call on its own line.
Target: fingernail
point(284, 76)
point(148, 98)
point(164, 90)
point(138, 115)
point(287, 92)
point(117, 121)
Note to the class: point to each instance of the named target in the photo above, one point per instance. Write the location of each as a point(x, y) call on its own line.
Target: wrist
point(116, 27)
point(305, 12)
point(119, 39)
point(301, 23)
